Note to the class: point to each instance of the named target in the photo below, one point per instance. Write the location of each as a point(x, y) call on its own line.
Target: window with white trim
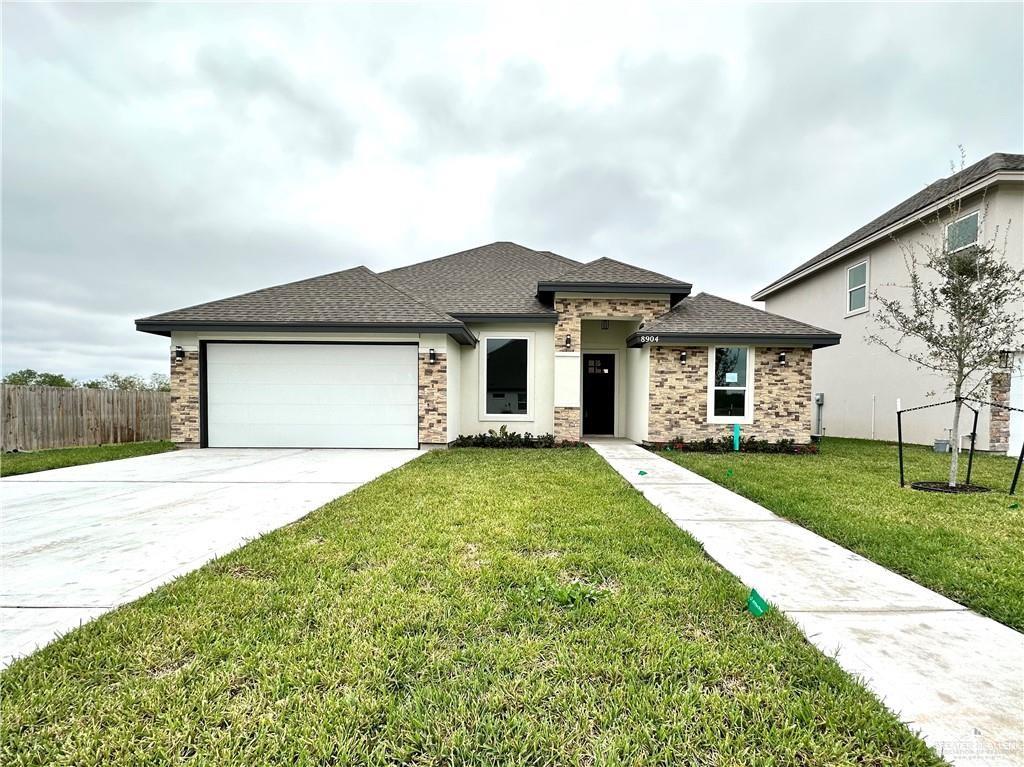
point(963, 232)
point(857, 288)
point(730, 390)
point(506, 376)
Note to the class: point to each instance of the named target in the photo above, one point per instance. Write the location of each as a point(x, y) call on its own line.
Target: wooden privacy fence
point(41, 417)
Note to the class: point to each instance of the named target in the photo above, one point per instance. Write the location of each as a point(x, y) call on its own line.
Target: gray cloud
point(162, 155)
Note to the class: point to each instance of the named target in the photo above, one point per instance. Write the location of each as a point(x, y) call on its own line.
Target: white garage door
point(311, 395)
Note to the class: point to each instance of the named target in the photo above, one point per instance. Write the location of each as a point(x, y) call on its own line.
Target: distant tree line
point(29, 377)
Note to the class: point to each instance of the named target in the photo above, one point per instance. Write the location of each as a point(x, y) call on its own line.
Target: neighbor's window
point(963, 232)
point(857, 287)
point(507, 366)
point(730, 385)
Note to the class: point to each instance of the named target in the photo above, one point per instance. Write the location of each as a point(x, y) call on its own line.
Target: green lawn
point(967, 547)
point(473, 607)
point(41, 460)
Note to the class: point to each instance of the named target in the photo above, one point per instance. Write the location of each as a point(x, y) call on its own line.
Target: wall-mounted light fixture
point(431, 356)
point(179, 354)
point(682, 357)
point(782, 358)
point(1004, 358)
point(568, 341)
point(605, 324)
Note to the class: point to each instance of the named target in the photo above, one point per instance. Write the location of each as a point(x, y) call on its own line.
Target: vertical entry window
point(507, 364)
point(730, 391)
point(857, 287)
point(962, 233)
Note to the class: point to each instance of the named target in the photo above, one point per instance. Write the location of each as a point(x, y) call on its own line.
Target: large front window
point(506, 374)
point(729, 390)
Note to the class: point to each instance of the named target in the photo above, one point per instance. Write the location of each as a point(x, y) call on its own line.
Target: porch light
point(682, 357)
point(568, 341)
point(432, 356)
point(782, 358)
point(1004, 358)
point(179, 354)
point(605, 324)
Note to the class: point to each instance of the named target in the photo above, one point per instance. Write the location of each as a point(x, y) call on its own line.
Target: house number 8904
point(648, 339)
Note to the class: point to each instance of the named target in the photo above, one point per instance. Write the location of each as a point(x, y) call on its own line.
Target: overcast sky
point(162, 155)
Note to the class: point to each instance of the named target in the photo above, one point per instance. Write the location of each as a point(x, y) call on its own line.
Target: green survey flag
point(757, 604)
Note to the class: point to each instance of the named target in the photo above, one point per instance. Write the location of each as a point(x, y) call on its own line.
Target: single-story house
point(496, 335)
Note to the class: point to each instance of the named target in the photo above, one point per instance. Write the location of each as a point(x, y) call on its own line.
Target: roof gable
point(707, 317)
point(500, 278)
point(910, 207)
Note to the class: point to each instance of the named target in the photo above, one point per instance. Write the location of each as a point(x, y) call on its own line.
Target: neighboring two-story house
point(862, 383)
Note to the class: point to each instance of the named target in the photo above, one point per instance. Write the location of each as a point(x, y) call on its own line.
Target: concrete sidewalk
point(952, 675)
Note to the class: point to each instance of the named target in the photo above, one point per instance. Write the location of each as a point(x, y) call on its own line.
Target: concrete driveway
point(79, 541)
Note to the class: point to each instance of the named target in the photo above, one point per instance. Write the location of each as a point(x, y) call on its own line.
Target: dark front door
point(598, 393)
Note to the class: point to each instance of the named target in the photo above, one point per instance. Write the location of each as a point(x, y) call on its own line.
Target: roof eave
point(677, 288)
point(456, 330)
point(542, 317)
point(986, 181)
point(812, 340)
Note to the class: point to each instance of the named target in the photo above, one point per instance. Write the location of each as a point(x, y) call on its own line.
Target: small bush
point(503, 438)
point(724, 445)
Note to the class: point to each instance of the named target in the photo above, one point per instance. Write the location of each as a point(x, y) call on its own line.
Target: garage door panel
point(348, 394)
point(312, 374)
point(312, 416)
point(296, 435)
point(311, 395)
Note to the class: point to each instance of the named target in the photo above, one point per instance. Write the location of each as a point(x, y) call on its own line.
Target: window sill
point(506, 417)
point(723, 421)
point(855, 313)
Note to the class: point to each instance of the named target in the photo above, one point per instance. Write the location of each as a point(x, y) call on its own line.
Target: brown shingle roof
point(609, 271)
point(707, 317)
point(928, 196)
point(352, 296)
point(500, 278)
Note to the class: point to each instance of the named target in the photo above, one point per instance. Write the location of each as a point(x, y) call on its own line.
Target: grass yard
point(472, 607)
point(967, 547)
point(41, 460)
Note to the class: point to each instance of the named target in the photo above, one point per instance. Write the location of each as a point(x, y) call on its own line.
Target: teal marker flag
point(736, 437)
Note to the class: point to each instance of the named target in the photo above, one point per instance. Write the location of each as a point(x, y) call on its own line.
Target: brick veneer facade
point(185, 400)
point(571, 313)
point(433, 388)
point(999, 420)
point(678, 398)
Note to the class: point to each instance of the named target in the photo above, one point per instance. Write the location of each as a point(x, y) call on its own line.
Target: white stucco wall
point(637, 393)
point(862, 382)
point(540, 388)
point(453, 354)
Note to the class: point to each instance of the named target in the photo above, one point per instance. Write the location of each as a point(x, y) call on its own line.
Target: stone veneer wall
point(678, 402)
point(185, 400)
point(571, 313)
point(999, 420)
point(433, 388)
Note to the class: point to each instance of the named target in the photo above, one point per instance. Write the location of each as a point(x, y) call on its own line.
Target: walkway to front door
point(950, 673)
point(599, 394)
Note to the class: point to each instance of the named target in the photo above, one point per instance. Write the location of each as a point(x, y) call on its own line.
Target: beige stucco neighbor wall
point(185, 400)
point(862, 382)
point(433, 386)
point(572, 310)
point(679, 396)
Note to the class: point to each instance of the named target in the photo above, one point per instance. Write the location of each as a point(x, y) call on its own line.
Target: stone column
point(185, 400)
point(433, 390)
point(999, 419)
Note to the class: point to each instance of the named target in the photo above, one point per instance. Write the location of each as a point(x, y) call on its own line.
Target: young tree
point(963, 307)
